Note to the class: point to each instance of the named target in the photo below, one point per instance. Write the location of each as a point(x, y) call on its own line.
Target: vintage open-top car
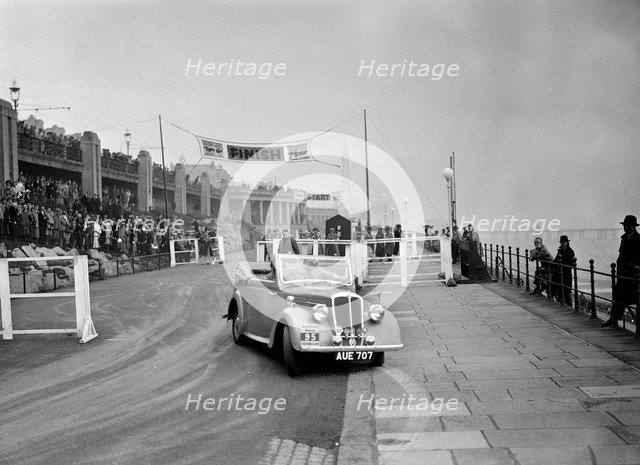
point(306, 303)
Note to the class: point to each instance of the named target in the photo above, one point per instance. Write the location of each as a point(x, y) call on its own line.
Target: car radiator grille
point(348, 313)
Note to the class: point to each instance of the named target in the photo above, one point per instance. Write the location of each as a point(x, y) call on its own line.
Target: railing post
point(491, 259)
point(613, 291)
point(133, 265)
point(592, 280)
point(118, 268)
point(549, 293)
point(504, 271)
point(55, 284)
point(518, 266)
point(636, 319)
point(510, 267)
point(576, 304)
point(24, 282)
point(561, 293)
point(526, 265)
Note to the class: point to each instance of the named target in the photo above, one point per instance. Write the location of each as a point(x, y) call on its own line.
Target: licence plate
point(354, 356)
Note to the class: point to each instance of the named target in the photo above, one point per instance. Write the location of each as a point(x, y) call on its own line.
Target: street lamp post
point(15, 94)
point(448, 175)
point(127, 139)
point(406, 215)
point(454, 196)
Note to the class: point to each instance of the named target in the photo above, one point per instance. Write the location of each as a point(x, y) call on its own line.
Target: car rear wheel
point(291, 356)
point(378, 359)
point(238, 338)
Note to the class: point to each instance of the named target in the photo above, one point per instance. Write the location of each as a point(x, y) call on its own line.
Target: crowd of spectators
point(156, 174)
point(54, 212)
point(49, 143)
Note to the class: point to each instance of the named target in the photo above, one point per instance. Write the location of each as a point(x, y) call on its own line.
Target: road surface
point(123, 397)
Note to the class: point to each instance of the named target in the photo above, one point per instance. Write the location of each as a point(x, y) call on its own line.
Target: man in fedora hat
point(563, 279)
point(625, 292)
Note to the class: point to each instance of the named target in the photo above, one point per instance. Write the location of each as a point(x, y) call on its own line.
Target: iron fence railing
point(119, 165)
point(49, 148)
point(551, 276)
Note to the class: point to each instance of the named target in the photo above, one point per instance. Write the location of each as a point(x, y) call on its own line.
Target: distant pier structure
point(515, 237)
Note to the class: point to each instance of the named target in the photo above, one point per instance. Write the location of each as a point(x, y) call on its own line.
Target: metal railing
point(551, 276)
point(48, 148)
point(119, 165)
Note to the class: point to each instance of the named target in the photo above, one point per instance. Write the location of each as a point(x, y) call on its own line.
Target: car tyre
point(238, 338)
point(291, 356)
point(378, 359)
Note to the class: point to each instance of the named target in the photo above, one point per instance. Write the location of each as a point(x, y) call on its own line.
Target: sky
point(543, 114)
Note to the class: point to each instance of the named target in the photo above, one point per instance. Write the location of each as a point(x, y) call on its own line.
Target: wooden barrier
point(172, 250)
point(84, 325)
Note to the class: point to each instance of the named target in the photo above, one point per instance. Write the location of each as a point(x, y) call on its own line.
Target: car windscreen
point(297, 268)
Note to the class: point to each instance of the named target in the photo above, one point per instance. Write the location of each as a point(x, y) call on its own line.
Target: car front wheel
point(291, 356)
point(378, 359)
point(238, 338)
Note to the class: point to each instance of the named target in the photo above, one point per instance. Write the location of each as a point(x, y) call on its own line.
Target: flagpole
point(366, 166)
point(164, 178)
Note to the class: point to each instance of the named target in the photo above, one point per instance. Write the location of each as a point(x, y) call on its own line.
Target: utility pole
point(366, 167)
point(164, 178)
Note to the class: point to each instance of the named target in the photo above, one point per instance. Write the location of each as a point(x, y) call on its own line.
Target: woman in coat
point(388, 246)
point(380, 245)
point(397, 233)
point(25, 224)
point(34, 232)
point(42, 225)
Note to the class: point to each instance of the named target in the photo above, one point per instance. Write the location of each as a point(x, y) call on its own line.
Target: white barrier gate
point(84, 325)
point(172, 250)
point(219, 248)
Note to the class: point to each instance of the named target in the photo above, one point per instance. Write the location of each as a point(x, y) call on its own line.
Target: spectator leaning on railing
point(625, 292)
point(542, 255)
point(562, 280)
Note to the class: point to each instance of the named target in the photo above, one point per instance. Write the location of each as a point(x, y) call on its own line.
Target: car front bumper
point(373, 348)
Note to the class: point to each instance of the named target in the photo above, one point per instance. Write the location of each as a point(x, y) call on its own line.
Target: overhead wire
point(415, 182)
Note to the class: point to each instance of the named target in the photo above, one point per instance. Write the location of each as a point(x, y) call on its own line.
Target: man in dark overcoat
point(626, 291)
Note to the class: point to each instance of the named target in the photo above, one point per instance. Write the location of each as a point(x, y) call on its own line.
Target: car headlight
point(376, 312)
point(320, 312)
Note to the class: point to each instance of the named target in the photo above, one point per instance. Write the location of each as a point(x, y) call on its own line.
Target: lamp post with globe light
point(448, 175)
point(127, 139)
point(14, 91)
point(406, 215)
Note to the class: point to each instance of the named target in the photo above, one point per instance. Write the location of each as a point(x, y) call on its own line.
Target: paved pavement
point(534, 384)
